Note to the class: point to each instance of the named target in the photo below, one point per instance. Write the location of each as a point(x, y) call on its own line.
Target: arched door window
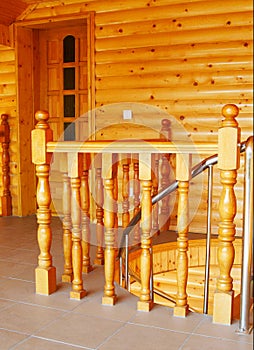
point(69, 86)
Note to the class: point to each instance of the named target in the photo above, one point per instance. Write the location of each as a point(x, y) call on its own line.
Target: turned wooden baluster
point(5, 139)
point(183, 175)
point(165, 173)
point(228, 163)
point(115, 195)
point(125, 190)
point(136, 190)
point(67, 239)
point(109, 297)
point(145, 302)
point(99, 259)
point(45, 273)
point(85, 206)
point(74, 171)
point(155, 177)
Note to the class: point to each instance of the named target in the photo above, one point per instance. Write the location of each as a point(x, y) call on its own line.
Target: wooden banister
point(6, 199)
point(145, 160)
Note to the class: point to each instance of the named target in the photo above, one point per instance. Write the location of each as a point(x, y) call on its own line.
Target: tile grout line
point(109, 337)
point(51, 341)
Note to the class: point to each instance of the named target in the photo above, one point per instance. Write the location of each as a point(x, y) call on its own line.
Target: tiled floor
point(30, 321)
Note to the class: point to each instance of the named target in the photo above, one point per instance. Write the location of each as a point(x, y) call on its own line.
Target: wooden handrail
point(5, 140)
point(131, 146)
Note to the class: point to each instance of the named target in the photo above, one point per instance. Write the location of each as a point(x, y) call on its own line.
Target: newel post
point(45, 273)
point(228, 163)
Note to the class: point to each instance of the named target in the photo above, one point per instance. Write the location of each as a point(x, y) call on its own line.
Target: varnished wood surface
point(6, 199)
point(189, 59)
point(130, 146)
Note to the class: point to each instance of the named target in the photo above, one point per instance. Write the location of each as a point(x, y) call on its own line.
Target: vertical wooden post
point(5, 139)
point(165, 173)
point(85, 206)
point(145, 302)
point(45, 273)
point(109, 297)
point(74, 171)
point(99, 259)
point(183, 167)
point(228, 163)
point(67, 240)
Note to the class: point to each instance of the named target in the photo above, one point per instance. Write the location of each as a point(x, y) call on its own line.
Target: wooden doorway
point(64, 76)
point(41, 66)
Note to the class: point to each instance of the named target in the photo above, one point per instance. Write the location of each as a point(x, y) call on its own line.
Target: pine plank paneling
point(185, 58)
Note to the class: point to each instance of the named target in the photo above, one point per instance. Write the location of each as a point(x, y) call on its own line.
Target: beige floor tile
point(120, 311)
point(27, 318)
point(80, 330)
point(163, 317)
point(12, 269)
point(208, 328)
point(43, 344)
point(208, 343)
point(58, 300)
point(16, 290)
point(144, 338)
point(24, 256)
point(10, 338)
point(5, 304)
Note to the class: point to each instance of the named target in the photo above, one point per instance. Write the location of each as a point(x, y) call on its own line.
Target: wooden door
point(65, 53)
point(64, 77)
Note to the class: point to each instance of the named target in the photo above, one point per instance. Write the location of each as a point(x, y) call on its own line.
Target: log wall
point(188, 58)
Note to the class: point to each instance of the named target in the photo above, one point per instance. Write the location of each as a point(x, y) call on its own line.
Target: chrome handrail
point(207, 163)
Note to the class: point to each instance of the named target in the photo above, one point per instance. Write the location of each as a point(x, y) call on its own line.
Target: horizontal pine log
point(168, 80)
point(195, 93)
point(236, 48)
point(148, 27)
point(184, 9)
point(183, 37)
point(177, 66)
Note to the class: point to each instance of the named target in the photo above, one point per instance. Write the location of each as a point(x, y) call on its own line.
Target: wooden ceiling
point(11, 9)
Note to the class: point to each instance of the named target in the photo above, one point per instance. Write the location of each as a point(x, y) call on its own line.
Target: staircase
point(165, 281)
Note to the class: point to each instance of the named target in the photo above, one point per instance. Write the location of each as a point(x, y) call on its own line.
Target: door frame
point(26, 111)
